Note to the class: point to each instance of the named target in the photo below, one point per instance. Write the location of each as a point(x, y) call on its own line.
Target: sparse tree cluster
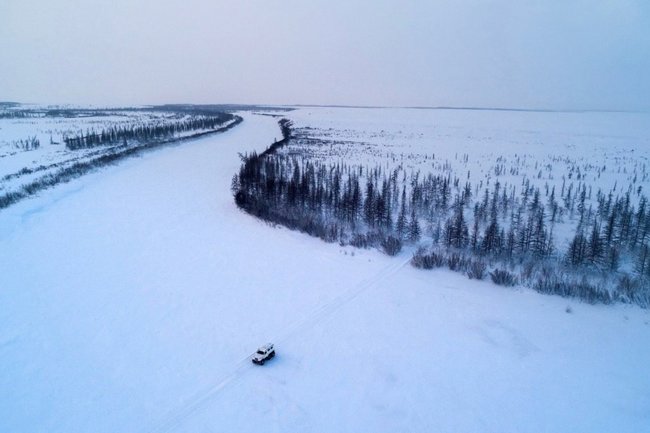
point(31, 143)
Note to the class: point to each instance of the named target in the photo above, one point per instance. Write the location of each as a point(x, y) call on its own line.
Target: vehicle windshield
point(260, 351)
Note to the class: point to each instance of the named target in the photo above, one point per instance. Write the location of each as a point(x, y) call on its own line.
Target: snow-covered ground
point(131, 298)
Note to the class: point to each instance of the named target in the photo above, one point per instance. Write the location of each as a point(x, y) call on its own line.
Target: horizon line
point(410, 107)
point(476, 108)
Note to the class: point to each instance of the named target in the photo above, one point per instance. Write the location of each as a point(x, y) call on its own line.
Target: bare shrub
point(527, 271)
point(477, 270)
point(359, 240)
point(634, 290)
point(391, 245)
point(581, 289)
point(422, 260)
point(454, 262)
point(502, 277)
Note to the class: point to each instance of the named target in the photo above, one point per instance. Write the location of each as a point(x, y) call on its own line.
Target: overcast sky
point(562, 54)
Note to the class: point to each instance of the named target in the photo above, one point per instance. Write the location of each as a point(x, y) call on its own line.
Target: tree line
point(158, 130)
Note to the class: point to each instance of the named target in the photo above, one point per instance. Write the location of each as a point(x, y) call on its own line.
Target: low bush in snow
point(582, 289)
point(502, 277)
point(477, 270)
point(423, 260)
point(391, 245)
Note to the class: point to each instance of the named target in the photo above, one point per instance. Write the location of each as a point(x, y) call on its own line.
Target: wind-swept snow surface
point(130, 300)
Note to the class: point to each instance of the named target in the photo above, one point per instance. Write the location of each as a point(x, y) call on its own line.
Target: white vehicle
point(263, 354)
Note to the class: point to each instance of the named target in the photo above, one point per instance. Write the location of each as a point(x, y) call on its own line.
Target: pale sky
point(555, 54)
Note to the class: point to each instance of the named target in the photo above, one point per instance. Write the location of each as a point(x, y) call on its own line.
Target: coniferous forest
point(505, 232)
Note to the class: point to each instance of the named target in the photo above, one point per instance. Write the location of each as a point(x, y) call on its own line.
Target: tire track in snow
point(200, 399)
point(330, 307)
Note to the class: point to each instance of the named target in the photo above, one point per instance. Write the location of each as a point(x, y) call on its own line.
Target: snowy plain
point(130, 300)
